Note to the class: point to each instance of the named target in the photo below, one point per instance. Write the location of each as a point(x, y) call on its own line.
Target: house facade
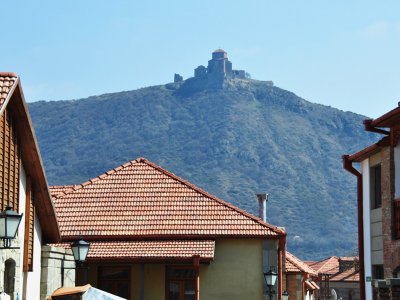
point(23, 188)
point(337, 276)
point(378, 180)
point(300, 279)
point(156, 236)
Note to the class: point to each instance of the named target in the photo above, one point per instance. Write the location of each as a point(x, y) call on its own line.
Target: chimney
point(262, 206)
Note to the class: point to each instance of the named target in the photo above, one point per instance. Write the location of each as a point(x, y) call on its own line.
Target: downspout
point(281, 250)
point(348, 166)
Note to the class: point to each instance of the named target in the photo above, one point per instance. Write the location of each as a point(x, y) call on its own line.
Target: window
point(375, 186)
point(9, 277)
point(377, 272)
point(181, 283)
point(115, 280)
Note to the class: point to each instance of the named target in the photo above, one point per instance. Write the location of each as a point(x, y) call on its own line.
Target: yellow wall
point(235, 274)
point(154, 280)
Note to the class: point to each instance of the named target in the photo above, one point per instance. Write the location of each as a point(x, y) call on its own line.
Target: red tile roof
point(179, 250)
point(57, 190)
point(140, 200)
point(7, 82)
point(153, 250)
point(295, 265)
point(346, 275)
point(331, 264)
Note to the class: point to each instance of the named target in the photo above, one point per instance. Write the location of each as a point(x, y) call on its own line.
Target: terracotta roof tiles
point(330, 266)
point(59, 190)
point(141, 200)
point(153, 250)
point(150, 250)
point(295, 265)
point(7, 82)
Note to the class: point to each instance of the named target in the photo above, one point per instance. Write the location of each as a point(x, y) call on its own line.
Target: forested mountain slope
point(235, 141)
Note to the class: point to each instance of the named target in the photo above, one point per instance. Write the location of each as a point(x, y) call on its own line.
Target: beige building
point(156, 236)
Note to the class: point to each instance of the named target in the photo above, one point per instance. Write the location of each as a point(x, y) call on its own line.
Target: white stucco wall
point(29, 282)
point(32, 290)
point(367, 227)
point(21, 229)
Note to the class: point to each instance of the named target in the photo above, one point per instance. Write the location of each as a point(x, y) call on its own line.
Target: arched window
point(9, 277)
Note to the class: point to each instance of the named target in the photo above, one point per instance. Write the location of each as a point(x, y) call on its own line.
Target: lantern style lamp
point(9, 222)
point(270, 279)
point(285, 295)
point(80, 250)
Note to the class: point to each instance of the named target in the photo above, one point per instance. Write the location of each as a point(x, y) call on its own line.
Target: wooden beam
point(27, 222)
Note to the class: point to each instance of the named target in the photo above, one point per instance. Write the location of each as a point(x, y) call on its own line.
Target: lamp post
point(80, 250)
point(270, 279)
point(285, 295)
point(9, 222)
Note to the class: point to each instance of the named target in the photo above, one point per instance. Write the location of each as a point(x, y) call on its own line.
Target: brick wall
point(391, 252)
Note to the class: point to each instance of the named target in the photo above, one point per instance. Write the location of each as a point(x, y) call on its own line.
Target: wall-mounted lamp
point(9, 222)
point(270, 279)
point(80, 250)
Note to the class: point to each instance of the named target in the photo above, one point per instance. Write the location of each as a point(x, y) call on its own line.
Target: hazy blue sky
point(339, 53)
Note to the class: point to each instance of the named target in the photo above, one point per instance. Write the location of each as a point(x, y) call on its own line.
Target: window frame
point(375, 182)
point(180, 281)
point(101, 280)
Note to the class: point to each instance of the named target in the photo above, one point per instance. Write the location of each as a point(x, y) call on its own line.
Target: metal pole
point(62, 272)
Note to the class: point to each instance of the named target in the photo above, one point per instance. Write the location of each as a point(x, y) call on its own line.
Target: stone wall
point(13, 276)
point(52, 260)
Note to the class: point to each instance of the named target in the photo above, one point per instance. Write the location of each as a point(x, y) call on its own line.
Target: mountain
point(234, 141)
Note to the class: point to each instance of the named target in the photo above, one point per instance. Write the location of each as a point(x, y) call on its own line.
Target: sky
point(343, 54)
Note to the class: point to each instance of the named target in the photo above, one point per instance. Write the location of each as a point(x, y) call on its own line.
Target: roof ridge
point(220, 201)
point(181, 180)
point(299, 263)
point(76, 187)
point(8, 74)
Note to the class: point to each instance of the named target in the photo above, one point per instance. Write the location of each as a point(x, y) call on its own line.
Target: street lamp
point(80, 250)
point(285, 295)
point(9, 222)
point(270, 279)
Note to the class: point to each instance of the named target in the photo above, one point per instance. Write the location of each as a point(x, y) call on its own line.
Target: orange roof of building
point(347, 275)
point(295, 265)
point(8, 81)
point(152, 250)
point(330, 266)
point(57, 190)
point(140, 200)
